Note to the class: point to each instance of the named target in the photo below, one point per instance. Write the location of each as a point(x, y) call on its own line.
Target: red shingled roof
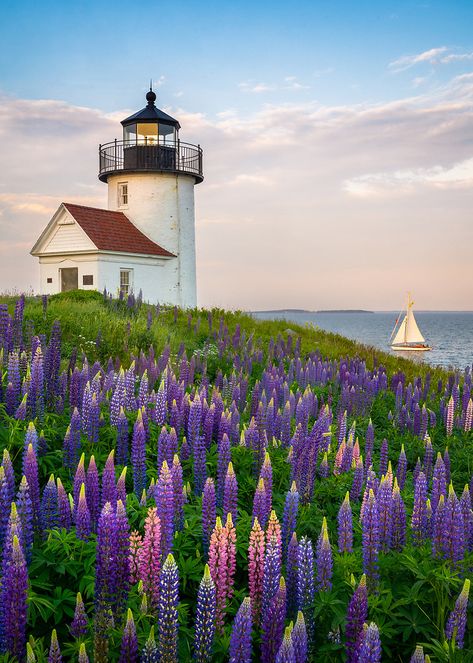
point(113, 231)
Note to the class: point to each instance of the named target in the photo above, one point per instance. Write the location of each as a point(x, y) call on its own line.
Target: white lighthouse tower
point(151, 176)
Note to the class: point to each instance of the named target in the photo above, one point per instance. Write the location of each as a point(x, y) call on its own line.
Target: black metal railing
point(175, 157)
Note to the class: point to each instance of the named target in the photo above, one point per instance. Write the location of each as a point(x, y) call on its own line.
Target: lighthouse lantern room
point(146, 239)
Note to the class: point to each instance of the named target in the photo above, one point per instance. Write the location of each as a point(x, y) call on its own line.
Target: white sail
point(401, 333)
point(413, 334)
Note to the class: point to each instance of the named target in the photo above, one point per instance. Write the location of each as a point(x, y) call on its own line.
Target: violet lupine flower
point(467, 513)
point(165, 508)
point(324, 467)
point(138, 455)
point(305, 583)
point(14, 594)
point(167, 621)
point(223, 458)
point(129, 646)
point(418, 655)
point(230, 493)
point(222, 564)
point(439, 482)
point(149, 558)
point(79, 479)
point(5, 502)
point(428, 459)
point(208, 513)
point(324, 559)
point(106, 562)
point(398, 519)
point(286, 650)
point(256, 556)
point(260, 504)
point(25, 513)
point(272, 625)
point(200, 467)
point(82, 519)
point(266, 474)
point(80, 623)
point(93, 419)
point(453, 531)
point(83, 658)
point(122, 552)
point(345, 526)
point(370, 649)
point(370, 538)
point(205, 618)
point(150, 652)
point(9, 475)
point(384, 507)
point(369, 443)
point(240, 640)
point(30, 471)
point(357, 614)
point(401, 468)
point(55, 655)
point(49, 505)
point(31, 437)
point(383, 457)
point(419, 514)
point(299, 639)
point(357, 485)
point(178, 486)
point(109, 487)
point(289, 520)
point(456, 623)
point(122, 438)
point(291, 575)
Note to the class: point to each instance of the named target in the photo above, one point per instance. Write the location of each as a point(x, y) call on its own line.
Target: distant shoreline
point(301, 310)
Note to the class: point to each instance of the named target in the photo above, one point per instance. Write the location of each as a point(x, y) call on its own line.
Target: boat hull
point(413, 348)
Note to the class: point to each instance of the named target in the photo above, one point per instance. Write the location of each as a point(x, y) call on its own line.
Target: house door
point(69, 279)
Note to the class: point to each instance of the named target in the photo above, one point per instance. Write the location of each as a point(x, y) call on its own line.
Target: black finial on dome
point(150, 96)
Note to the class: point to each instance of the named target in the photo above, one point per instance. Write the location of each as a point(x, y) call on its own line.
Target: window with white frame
point(122, 194)
point(126, 281)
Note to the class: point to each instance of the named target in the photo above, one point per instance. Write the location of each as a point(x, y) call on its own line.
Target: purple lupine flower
point(14, 594)
point(356, 616)
point(398, 519)
point(25, 514)
point(428, 459)
point(289, 520)
point(305, 584)
point(79, 479)
point(93, 489)
point(9, 475)
point(49, 505)
point(177, 486)
point(63, 506)
point(369, 442)
point(121, 486)
point(266, 474)
point(384, 507)
point(31, 437)
point(286, 650)
point(453, 530)
point(271, 574)
point(54, 655)
point(370, 538)
point(292, 565)
point(419, 514)
point(240, 640)
point(223, 458)
point(150, 652)
point(208, 513)
point(71, 444)
point(129, 645)
point(467, 513)
point(109, 487)
point(122, 438)
point(299, 639)
point(165, 508)
point(20, 414)
point(324, 467)
point(80, 623)
point(138, 455)
point(122, 552)
point(205, 618)
point(82, 517)
point(200, 467)
point(30, 471)
point(260, 504)
point(456, 623)
point(167, 611)
point(272, 624)
point(439, 482)
point(383, 457)
point(345, 526)
point(324, 559)
point(5, 503)
point(106, 561)
point(230, 493)
point(401, 468)
point(370, 649)
point(357, 485)
point(418, 655)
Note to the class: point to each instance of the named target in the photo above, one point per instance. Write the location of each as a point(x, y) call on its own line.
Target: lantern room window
point(149, 133)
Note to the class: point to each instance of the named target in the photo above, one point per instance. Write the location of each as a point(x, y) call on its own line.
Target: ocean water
point(449, 333)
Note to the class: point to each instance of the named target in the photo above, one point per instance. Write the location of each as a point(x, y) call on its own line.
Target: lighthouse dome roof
point(150, 113)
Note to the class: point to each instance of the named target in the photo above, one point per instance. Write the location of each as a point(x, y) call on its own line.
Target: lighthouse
point(145, 240)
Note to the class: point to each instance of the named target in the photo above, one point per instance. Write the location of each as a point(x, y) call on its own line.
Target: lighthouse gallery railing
point(175, 157)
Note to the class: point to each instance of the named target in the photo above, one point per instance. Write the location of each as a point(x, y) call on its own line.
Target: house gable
point(63, 235)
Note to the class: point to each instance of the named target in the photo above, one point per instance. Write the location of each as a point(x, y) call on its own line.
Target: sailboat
point(408, 336)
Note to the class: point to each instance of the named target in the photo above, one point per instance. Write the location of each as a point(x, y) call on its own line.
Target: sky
point(337, 137)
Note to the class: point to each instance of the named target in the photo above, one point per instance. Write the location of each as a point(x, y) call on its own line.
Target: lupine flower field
point(196, 485)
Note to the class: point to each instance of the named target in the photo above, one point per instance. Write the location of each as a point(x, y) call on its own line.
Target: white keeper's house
point(145, 240)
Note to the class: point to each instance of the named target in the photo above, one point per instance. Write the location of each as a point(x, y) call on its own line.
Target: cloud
point(407, 61)
point(286, 189)
point(456, 57)
point(289, 83)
